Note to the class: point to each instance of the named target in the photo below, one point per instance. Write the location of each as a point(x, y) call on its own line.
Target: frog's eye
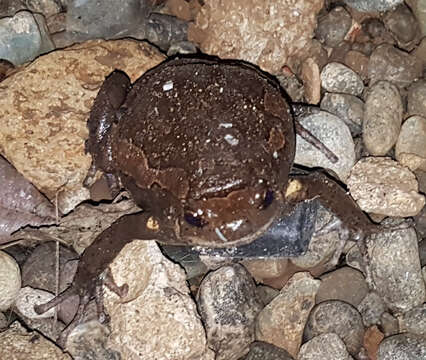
point(268, 199)
point(194, 220)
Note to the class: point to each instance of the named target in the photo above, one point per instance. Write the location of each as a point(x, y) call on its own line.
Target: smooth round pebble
point(263, 351)
point(336, 77)
point(28, 298)
point(417, 98)
point(382, 118)
point(371, 309)
point(402, 347)
point(334, 134)
point(381, 186)
point(324, 346)
point(358, 62)
point(345, 284)
point(333, 26)
point(393, 65)
point(334, 316)
point(410, 149)
point(10, 280)
point(347, 107)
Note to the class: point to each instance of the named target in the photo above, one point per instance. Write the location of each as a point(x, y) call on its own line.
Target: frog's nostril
point(269, 198)
point(194, 220)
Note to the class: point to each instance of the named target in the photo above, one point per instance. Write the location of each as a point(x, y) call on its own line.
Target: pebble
point(358, 62)
point(263, 351)
point(326, 346)
point(22, 38)
point(228, 304)
point(336, 77)
point(382, 118)
point(45, 7)
point(410, 149)
point(158, 318)
point(344, 284)
point(266, 293)
point(381, 186)
point(395, 269)
point(334, 316)
point(10, 281)
point(310, 76)
point(394, 65)
point(347, 107)
point(414, 321)
point(28, 297)
point(403, 25)
point(287, 313)
point(416, 101)
point(420, 52)
point(373, 5)
point(262, 269)
point(371, 309)
point(334, 134)
point(419, 10)
point(402, 347)
point(333, 27)
point(389, 324)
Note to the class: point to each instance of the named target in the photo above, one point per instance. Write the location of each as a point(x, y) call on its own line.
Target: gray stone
point(382, 118)
point(402, 347)
point(389, 324)
point(334, 316)
point(347, 107)
point(414, 321)
point(45, 7)
point(263, 351)
point(266, 293)
point(403, 25)
point(281, 322)
point(345, 284)
point(394, 65)
point(371, 309)
point(334, 134)
point(336, 77)
point(23, 38)
point(416, 102)
point(228, 304)
point(325, 346)
point(395, 269)
point(332, 27)
point(419, 9)
point(373, 5)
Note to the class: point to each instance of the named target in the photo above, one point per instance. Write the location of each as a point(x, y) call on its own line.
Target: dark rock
point(332, 27)
point(263, 351)
point(403, 25)
point(417, 98)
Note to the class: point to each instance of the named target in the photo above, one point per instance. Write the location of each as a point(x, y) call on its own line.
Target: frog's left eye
point(194, 220)
point(268, 199)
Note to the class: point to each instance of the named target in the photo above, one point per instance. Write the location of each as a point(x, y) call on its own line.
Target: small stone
point(403, 25)
point(345, 284)
point(395, 269)
point(336, 77)
point(266, 268)
point(10, 280)
point(266, 293)
point(402, 347)
point(373, 5)
point(324, 346)
point(420, 52)
point(382, 118)
point(334, 316)
point(389, 324)
point(419, 9)
point(333, 27)
point(17, 343)
point(281, 322)
point(358, 62)
point(371, 309)
point(335, 135)
point(310, 76)
point(263, 351)
point(45, 7)
point(376, 32)
point(393, 65)
point(347, 107)
point(372, 338)
point(228, 304)
point(410, 149)
point(382, 186)
point(417, 98)
point(414, 321)
point(28, 298)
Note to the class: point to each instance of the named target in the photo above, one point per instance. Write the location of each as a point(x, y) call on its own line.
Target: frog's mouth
point(236, 219)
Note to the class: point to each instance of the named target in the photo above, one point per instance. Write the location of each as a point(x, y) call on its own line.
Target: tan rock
point(282, 321)
point(10, 280)
point(265, 33)
point(381, 186)
point(18, 344)
point(45, 106)
point(311, 80)
point(158, 318)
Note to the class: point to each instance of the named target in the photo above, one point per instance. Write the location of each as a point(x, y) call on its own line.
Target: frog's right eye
point(193, 220)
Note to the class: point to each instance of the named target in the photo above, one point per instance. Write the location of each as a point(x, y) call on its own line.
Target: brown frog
point(205, 147)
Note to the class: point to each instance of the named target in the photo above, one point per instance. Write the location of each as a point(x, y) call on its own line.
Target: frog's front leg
point(97, 257)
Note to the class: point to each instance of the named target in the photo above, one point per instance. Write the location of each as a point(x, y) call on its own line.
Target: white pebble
point(10, 280)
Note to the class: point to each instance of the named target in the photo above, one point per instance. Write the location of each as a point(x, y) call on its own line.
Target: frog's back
point(210, 126)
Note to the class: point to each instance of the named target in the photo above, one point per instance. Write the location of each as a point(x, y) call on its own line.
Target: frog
point(205, 147)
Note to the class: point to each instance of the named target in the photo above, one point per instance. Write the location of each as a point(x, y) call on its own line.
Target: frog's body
point(205, 147)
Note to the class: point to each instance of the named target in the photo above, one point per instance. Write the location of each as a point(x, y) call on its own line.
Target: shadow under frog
point(205, 147)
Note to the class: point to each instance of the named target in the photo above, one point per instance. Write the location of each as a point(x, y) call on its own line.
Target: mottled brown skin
point(205, 147)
